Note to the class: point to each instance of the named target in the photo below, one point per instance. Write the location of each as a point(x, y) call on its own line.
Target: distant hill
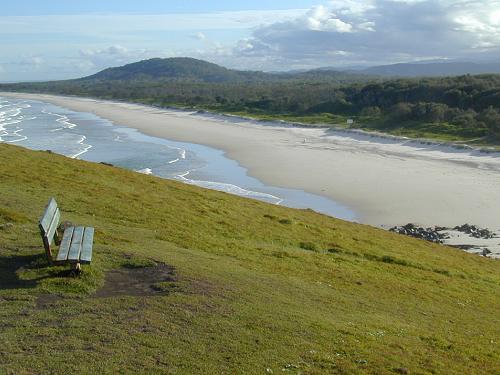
point(186, 69)
point(177, 69)
point(435, 69)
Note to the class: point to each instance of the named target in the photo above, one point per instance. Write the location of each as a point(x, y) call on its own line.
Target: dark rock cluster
point(475, 231)
point(435, 235)
point(428, 234)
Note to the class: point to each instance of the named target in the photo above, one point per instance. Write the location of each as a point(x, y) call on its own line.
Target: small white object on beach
point(145, 171)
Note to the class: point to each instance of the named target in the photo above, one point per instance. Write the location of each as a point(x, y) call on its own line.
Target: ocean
point(42, 126)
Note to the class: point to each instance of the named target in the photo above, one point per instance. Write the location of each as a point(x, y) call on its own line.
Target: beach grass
point(254, 288)
point(419, 130)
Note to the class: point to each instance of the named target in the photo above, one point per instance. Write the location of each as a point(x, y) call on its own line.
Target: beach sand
point(385, 181)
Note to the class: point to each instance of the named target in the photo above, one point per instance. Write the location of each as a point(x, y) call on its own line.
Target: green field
point(232, 285)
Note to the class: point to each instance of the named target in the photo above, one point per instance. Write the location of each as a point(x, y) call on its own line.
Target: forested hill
point(461, 108)
point(180, 68)
point(436, 69)
point(186, 69)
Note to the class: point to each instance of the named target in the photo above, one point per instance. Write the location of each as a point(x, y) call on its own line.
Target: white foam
point(229, 188)
point(61, 119)
point(86, 147)
point(16, 133)
point(182, 152)
point(66, 124)
point(10, 117)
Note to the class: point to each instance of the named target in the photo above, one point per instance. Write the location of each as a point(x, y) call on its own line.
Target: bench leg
point(76, 268)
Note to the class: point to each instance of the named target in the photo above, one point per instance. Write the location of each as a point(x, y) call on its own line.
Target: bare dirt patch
point(45, 301)
point(141, 281)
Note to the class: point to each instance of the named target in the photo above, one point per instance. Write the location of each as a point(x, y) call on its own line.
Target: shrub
point(308, 246)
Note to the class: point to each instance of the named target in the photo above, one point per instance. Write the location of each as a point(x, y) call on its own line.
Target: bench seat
point(76, 245)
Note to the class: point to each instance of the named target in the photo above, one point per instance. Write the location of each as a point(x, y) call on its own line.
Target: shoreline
point(386, 182)
point(459, 145)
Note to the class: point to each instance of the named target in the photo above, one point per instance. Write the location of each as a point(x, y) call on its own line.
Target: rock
point(475, 231)
point(439, 229)
point(485, 252)
point(428, 234)
point(108, 164)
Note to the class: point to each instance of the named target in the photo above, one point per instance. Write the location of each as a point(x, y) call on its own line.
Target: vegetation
point(253, 288)
point(463, 108)
point(434, 69)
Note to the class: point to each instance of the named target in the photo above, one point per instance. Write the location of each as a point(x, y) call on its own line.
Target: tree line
point(465, 105)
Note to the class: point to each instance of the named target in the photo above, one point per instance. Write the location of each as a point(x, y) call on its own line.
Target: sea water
point(43, 126)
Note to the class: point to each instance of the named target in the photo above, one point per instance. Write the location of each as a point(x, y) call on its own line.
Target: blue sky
point(56, 39)
point(48, 7)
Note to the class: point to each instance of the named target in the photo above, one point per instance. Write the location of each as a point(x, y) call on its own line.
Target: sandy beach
point(385, 181)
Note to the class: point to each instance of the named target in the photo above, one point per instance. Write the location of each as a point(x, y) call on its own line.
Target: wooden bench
point(75, 246)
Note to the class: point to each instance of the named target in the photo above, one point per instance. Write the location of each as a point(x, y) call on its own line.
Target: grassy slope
point(248, 295)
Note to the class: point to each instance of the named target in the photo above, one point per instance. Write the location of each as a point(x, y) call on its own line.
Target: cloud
point(77, 44)
point(346, 32)
point(199, 36)
point(98, 58)
point(26, 62)
point(36, 60)
point(106, 24)
point(321, 18)
point(334, 33)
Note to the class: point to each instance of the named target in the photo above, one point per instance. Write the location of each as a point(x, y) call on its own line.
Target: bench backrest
point(48, 226)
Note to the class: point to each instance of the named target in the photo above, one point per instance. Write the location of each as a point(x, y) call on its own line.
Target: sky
point(60, 39)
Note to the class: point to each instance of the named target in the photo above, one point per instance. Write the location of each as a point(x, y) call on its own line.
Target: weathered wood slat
point(88, 238)
point(76, 245)
point(53, 226)
point(65, 243)
point(48, 215)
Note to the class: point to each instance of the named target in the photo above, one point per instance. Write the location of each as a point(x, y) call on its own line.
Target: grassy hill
point(192, 281)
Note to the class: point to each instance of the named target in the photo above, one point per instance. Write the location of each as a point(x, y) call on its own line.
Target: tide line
point(86, 148)
point(62, 119)
point(228, 188)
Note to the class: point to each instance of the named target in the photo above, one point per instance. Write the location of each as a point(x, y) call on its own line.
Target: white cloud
point(334, 33)
point(37, 60)
point(99, 58)
point(199, 36)
point(347, 32)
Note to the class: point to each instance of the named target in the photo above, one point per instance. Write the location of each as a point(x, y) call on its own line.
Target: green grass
point(322, 119)
point(443, 132)
point(257, 286)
